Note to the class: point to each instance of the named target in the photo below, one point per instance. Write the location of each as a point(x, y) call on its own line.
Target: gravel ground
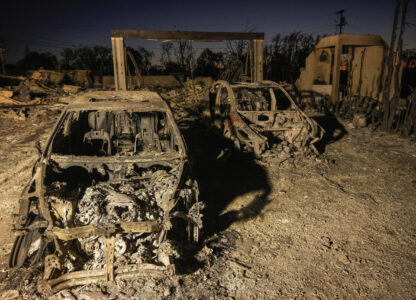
point(341, 225)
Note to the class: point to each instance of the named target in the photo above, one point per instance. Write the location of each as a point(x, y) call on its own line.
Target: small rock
point(359, 121)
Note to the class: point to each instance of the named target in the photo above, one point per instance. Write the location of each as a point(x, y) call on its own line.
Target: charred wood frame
point(119, 52)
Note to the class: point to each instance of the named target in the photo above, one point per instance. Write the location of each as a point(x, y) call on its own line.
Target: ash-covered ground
point(338, 225)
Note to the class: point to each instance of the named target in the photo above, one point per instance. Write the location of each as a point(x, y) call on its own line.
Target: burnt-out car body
point(260, 117)
point(112, 181)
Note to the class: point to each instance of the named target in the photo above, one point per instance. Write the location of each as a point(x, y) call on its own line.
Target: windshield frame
point(47, 153)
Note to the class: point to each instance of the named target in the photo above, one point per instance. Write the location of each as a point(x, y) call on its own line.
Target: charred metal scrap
point(113, 179)
point(262, 118)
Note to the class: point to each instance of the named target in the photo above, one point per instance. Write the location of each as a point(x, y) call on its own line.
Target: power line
point(33, 39)
point(342, 20)
point(288, 20)
point(326, 29)
point(39, 44)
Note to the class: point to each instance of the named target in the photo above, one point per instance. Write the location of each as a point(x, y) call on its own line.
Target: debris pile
point(15, 100)
point(103, 204)
point(48, 76)
point(80, 78)
point(18, 94)
point(215, 255)
point(143, 198)
point(188, 101)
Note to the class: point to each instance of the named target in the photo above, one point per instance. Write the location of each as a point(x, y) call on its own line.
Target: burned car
point(262, 118)
point(111, 184)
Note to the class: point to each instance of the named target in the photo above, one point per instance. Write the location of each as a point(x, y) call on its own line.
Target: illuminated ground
point(341, 225)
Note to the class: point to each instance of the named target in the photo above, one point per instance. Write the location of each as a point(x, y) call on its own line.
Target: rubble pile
point(80, 78)
point(18, 93)
point(144, 197)
point(215, 255)
point(188, 101)
point(104, 204)
point(15, 100)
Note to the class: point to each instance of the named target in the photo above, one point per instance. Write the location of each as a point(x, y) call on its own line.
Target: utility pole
point(3, 68)
point(342, 21)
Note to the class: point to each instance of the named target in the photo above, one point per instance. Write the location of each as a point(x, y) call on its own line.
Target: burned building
point(345, 64)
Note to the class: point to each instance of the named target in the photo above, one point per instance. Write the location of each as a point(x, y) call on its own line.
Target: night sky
point(53, 25)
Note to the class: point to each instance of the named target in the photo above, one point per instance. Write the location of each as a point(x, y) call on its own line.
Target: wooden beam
point(119, 63)
point(164, 35)
point(119, 56)
point(258, 61)
point(139, 77)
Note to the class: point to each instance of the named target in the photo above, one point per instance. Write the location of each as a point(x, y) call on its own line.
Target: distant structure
point(345, 64)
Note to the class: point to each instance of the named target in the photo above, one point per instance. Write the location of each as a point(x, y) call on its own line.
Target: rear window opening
point(260, 99)
point(249, 99)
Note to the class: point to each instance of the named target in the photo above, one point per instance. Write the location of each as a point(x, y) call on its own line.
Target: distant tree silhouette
point(168, 51)
point(34, 61)
point(98, 59)
point(103, 60)
point(143, 59)
point(284, 57)
point(208, 62)
point(166, 56)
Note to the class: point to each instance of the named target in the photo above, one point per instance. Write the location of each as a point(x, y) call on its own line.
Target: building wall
point(317, 69)
point(371, 70)
point(304, 82)
point(322, 71)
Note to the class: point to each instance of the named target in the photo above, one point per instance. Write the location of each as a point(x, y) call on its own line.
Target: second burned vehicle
point(262, 118)
point(109, 187)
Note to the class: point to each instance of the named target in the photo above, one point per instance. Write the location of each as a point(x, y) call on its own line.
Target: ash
point(144, 198)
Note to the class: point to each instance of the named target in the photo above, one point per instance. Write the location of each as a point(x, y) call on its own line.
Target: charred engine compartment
point(110, 195)
point(112, 220)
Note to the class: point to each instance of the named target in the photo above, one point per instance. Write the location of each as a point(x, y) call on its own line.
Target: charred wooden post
point(394, 102)
point(119, 63)
point(389, 68)
point(257, 70)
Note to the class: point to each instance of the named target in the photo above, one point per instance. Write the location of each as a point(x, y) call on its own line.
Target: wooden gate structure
point(119, 53)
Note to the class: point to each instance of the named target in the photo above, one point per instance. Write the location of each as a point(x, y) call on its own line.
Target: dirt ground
point(340, 225)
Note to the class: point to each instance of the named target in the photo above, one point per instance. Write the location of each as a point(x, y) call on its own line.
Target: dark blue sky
point(53, 25)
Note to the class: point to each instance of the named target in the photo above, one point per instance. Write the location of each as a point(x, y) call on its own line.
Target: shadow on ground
point(223, 179)
point(233, 174)
point(220, 181)
point(334, 130)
